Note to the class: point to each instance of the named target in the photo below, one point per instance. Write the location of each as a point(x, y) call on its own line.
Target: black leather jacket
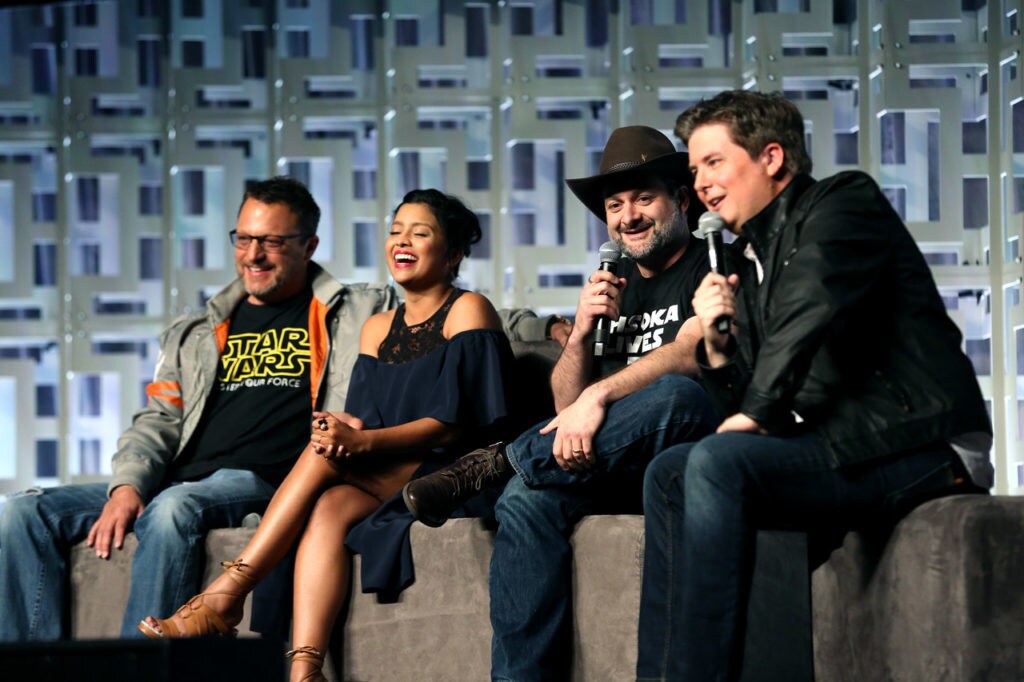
point(847, 329)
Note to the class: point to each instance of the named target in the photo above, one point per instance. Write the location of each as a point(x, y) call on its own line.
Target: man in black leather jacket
point(844, 391)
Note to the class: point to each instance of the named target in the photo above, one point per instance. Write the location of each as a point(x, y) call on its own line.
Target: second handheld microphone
point(710, 225)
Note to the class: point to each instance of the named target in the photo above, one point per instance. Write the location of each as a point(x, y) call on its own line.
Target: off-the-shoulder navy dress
point(463, 382)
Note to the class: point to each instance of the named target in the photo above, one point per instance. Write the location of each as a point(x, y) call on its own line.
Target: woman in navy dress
point(430, 382)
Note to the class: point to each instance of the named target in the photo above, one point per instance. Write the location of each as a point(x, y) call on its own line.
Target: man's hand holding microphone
point(714, 302)
point(598, 304)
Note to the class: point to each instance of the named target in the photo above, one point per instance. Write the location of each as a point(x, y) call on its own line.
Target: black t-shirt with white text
point(652, 309)
point(258, 415)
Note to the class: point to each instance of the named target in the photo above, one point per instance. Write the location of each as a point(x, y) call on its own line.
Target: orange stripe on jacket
point(221, 334)
point(166, 390)
point(317, 345)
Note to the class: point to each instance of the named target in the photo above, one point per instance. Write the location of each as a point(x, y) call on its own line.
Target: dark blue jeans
point(703, 505)
point(531, 579)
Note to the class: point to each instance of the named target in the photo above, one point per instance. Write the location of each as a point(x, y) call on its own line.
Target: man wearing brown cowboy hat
point(612, 419)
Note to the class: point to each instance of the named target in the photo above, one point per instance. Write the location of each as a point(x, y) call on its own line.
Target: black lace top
point(408, 342)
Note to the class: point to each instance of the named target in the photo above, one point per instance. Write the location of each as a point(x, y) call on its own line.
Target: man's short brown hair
point(755, 120)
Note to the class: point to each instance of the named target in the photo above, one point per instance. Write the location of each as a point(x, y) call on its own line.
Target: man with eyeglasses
point(228, 412)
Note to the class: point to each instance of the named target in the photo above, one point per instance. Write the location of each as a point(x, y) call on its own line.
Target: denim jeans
point(38, 527)
point(703, 505)
point(531, 578)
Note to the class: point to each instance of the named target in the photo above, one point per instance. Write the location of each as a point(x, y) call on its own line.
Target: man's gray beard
point(664, 242)
point(261, 294)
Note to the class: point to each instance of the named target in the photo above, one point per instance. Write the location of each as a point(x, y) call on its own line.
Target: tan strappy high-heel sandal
point(308, 654)
point(199, 619)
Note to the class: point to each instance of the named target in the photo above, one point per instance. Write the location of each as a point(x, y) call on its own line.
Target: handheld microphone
point(609, 254)
point(710, 225)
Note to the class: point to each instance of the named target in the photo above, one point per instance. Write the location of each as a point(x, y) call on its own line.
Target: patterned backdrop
point(128, 131)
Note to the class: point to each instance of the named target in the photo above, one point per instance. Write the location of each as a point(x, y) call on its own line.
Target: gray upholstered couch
point(940, 598)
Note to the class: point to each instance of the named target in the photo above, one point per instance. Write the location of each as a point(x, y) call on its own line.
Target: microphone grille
point(710, 222)
point(609, 252)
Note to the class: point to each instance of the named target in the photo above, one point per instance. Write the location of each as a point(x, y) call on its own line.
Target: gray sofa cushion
point(440, 628)
point(941, 598)
point(608, 558)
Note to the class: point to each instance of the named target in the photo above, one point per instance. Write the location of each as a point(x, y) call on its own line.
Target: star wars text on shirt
point(276, 357)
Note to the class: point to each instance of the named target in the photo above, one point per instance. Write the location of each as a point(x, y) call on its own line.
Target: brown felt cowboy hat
point(632, 151)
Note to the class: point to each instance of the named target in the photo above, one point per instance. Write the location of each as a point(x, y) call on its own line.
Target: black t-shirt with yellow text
point(258, 416)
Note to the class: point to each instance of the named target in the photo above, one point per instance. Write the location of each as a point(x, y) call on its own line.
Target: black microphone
point(609, 254)
point(710, 225)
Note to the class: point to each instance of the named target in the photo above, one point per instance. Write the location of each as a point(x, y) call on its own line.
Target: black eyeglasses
point(270, 243)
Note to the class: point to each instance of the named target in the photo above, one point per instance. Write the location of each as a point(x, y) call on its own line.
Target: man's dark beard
point(663, 244)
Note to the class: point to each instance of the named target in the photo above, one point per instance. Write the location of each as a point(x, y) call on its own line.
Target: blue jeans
point(39, 527)
point(703, 505)
point(531, 578)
